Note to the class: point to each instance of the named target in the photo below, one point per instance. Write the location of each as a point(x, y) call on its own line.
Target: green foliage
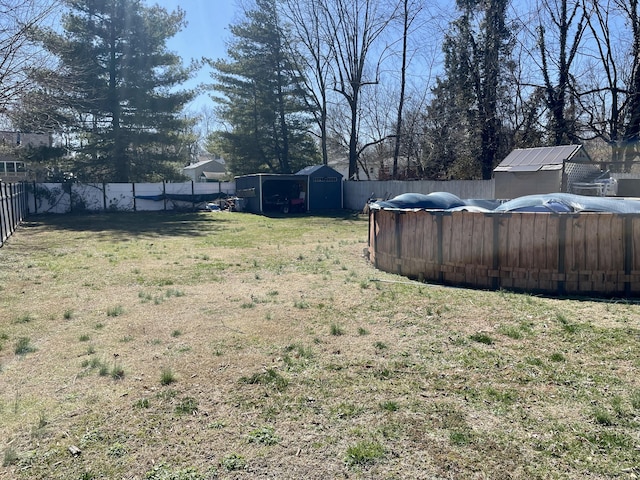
point(115, 86)
point(481, 338)
point(163, 472)
point(464, 142)
point(267, 377)
point(260, 96)
point(187, 406)
point(115, 311)
point(117, 372)
point(23, 346)
point(264, 435)
point(117, 450)
point(25, 318)
point(10, 457)
point(167, 377)
point(233, 461)
point(336, 329)
point(364, 452)
point(390, 406)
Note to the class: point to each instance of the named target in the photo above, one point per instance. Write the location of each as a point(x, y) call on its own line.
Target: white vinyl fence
point(124, 197)
point(100, 197)
point(356, 194)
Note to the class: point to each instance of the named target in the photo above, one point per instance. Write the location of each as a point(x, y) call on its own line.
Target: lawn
point(228, 345)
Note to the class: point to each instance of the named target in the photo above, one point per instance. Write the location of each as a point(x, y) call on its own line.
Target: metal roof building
point(530, 171)
point(313, 188)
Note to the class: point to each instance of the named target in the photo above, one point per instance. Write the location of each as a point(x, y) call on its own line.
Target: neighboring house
point(376, 168)
point(529, 171)
point(207, 169)
point(11, 168)
point(19, 139)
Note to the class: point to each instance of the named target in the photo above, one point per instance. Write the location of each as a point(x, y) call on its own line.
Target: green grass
point(167, 377)
point(187, 406)
point(325, 375)
point(264, 435)
point(24, 346)
point(115, 311)
point(364, 452)
point(336, 329)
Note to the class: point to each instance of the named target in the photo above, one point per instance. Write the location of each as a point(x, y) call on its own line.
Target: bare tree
point(17, 53)
point(407, 19)
point(603, 99)
point(632, 128)
point(559, 42)
point(313, 50)
point(355, 27)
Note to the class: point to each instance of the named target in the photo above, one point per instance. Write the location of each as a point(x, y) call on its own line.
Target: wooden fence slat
point(589, 253)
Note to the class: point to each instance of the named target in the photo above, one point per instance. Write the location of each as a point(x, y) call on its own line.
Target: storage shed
point(313, 188)
point(530, 171)
point(324, 185)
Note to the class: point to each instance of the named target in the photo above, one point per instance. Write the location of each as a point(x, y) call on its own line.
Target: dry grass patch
point(232, 345)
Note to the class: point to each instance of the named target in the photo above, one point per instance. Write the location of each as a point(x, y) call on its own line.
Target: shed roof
point(541, 158)
point(311, 169)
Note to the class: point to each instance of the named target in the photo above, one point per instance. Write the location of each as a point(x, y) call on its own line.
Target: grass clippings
point(295, 359)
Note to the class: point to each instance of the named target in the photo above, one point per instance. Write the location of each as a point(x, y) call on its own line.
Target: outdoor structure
point(529, 171)
point(12, 169)
point(207, 169)
point(324, 187)
point(313, 188)
point(560, 254)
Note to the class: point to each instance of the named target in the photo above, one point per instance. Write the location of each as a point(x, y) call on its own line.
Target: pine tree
point(476, 52)
point(260, 99)
point(114, 88)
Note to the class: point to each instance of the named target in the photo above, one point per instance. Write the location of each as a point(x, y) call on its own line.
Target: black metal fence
point(13, 208)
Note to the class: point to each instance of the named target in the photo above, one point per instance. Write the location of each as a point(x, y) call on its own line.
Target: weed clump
point(267, 377)
point(167, 377)
point(363, 453)
point(23, 346)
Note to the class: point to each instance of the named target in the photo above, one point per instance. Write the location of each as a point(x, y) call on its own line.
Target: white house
point(207, 169)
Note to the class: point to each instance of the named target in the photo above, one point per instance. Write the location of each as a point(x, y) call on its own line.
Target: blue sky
point(204, 35)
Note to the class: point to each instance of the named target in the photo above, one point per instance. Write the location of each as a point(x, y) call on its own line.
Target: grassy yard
point(228, 345)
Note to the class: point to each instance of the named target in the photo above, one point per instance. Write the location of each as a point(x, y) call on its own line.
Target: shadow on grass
point(332, 214)
point(126, 225)
point(130, 224)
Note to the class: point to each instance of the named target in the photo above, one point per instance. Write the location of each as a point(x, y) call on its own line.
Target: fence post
point(164, 195)
point(35, 198)
point(133, 191)
point(2, 215)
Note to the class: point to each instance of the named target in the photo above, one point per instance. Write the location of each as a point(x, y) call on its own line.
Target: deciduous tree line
point(423, 90)
point(410, 88)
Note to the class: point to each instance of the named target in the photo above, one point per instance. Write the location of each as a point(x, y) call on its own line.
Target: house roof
point(311, 169)
point(211, 165)
point(541, 158)
point(212, 175)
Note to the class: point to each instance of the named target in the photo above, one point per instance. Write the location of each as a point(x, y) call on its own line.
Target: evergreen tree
point(260, 99)
point(114, 89)
point(470, 91)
